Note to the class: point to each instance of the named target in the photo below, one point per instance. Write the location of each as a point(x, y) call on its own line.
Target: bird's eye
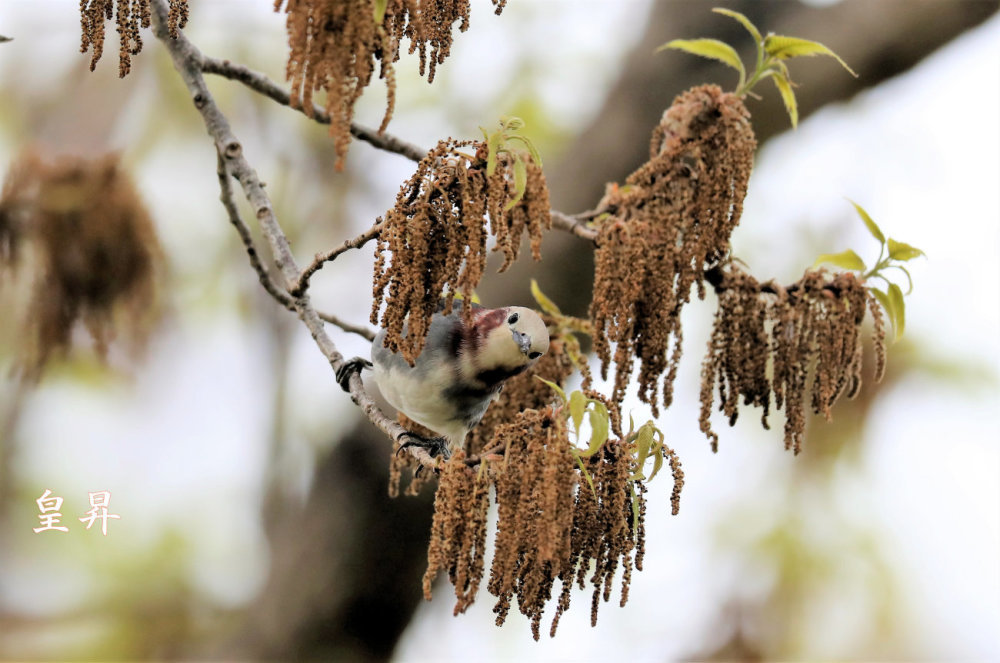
point(512, 319)
point(534, 355)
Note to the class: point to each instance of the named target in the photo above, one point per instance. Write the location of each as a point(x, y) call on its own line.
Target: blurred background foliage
point(254, 517)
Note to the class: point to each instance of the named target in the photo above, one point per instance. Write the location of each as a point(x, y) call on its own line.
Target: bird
point(458, 374)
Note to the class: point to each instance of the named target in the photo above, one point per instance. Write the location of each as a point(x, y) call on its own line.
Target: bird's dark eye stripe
point(512, 319)
point(534, 355)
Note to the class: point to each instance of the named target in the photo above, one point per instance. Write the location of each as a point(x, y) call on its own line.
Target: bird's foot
point(435, 446)
point(349, 368)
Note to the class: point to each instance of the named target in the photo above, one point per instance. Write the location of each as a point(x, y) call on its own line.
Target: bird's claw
point(435, 446)
point(348, 368)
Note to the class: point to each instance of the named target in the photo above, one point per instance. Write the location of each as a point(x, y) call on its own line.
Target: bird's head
point(508, 339)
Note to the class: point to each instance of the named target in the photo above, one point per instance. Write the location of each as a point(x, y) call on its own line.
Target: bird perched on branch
point(460, 371)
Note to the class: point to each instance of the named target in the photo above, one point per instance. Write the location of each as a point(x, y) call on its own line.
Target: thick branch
point(187, 60)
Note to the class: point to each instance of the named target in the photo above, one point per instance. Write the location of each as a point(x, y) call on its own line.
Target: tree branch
point(261, 83)
point(572, 224)
point(187, 59)
point(282, 297)
point(302, 283)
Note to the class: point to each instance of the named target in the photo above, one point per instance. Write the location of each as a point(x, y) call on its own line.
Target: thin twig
point(226, 196)
point(282, 297)
point(321, 259)
point(261, 83)
point(563, 221)
point(186, 59)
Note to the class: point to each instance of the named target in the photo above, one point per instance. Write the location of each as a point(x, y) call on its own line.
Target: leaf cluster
point(772, 51)
point(892, 254)
point(502, 141)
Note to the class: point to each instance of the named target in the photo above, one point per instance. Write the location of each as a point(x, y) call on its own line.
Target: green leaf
point(380, 7)
point(782, 47)
point(847, 259)
point(871, 225)
point(657, 461)
point(535, 156)
point(902, 251)
point(511, 122)
point(906, 272)
point(889, 304)
point(644, 444)
point(586, 474)
point(544, 302)
point(520, 183)
point(787, 96)
point(896, 297)
point(599, 424)
point(744, 21)
point(708, 48)
point(554, 386)
point(577, 404)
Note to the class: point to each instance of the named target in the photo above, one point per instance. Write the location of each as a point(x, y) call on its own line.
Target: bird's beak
point(523, 342)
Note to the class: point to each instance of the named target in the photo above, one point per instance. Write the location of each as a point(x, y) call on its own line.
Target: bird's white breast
point(422, 398)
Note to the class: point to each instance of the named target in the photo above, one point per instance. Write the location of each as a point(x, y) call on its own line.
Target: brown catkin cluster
point(787, 341)
point(436, 237)
point(555, 521)
point(670, 222)
point(535, 487)
point(458, 532)
point(130, 17)
point(334, 46)
point(97, 252)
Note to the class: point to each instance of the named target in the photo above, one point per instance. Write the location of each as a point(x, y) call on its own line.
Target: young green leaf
point(708, 48)
point(511, 122)
point(890, 309)
point(584, 472)
point(520, 183)
point(657, 461)
point(599, 423)
point(787, 96)
point(871, 225)
point(902, 251)
point(744, 21)
point(644, 444)
point(783, 47)
point(379, 10)
point(846, 259)
point(896, 297)
point(577, 404)
point(554, 386)
point(544, 302)
point(535, 156)
point(906, 273)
